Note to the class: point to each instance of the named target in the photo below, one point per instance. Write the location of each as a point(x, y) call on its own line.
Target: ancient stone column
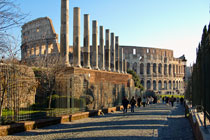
point(121, 60)
point(125, 66)
point(76, 38)
point(95, 44)
point(112, 52)
point(117, 48)
point(64, 33)
point(107, 54)
point(101, 51)
point(86, 58)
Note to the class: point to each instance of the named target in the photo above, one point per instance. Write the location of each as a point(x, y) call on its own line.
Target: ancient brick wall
point(99, 89)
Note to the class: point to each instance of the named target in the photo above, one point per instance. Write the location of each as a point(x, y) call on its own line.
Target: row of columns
point(109, 54)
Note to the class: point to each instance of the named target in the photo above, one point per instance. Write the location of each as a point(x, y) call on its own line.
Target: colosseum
point(158, 69)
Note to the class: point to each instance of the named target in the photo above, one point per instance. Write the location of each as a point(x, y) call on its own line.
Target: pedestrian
point(167, 100)
point(181, 100)
point(125, 103)
point(163, 99)
point(172, 101)
point(139, 101)
point(144, 101)
point(133, 103)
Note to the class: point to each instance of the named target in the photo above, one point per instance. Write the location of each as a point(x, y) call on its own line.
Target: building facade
point(158, 69)
point(39, 40)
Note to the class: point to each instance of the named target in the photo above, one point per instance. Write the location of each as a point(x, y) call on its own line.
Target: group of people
point(171, 100)
point(145, 101)
point(148, 100)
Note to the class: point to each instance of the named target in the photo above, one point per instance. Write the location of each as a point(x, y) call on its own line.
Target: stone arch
point(160, 68)
point(154, 68)
point(174, 68)
point(148, 84)
point(142, 83)
point(154, 85)
point(170, 68)
point(179, 85)
point(141, 68)
point(148, 68)
point(174, 85)
point(159, 85)
point(165, 69)
point(165, 85)
point(169, 83)
point(128, 65)
point(135, 66)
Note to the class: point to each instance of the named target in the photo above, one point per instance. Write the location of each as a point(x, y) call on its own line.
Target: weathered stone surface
point(101, 50)
point(76, 38)
point(107, 53)
point(38, 40)
point(99, 88)
point(113, 62)
point(21, 88)
point(64, 35)
point(86, 57)
point(95, 45)
point(158, 69)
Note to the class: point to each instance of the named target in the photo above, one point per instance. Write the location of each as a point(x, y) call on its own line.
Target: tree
point(45, 69)
point(136, 79)
point(10, 17)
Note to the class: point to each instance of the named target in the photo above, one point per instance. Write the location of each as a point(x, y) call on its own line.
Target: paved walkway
point(154, 122)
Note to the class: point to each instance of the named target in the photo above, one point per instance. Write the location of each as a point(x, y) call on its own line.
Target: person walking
point(144, 101)
point(139, 101)
point(172, 101)
point(133, 103)
point(125, 103)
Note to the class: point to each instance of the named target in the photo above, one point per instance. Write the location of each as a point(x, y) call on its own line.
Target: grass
point(51, 111)
point(175, 96)
point(21, 112)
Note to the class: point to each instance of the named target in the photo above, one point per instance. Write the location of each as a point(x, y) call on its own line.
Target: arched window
point(159, 85)
point(148, 68)
point(177, 86)
point(141, 68)
point(142, 83)
point(170, 69)
point(160, 68)
point(170, 87)
point(128, 66)
point(154, 68)
point(165, 85)
point(154, 85)
point(135, 67)
point(165, 69)
point(148, 84)
point(174, 86)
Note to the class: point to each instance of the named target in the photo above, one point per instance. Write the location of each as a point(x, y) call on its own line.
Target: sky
point(168, 24)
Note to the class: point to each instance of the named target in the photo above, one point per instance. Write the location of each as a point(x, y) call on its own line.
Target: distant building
point(158, 69)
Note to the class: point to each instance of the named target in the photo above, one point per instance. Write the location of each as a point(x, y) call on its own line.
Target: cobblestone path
point(154, 122)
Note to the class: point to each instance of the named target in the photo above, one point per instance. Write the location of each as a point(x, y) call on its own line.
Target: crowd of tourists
point(139, 102)
point(147, 100)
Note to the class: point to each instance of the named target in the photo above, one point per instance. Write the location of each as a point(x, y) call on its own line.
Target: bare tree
point(48, 66)
point(10, 17)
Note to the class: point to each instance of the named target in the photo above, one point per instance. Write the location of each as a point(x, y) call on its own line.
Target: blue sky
point(170, 24)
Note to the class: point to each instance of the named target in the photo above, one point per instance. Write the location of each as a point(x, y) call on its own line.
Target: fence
point(25, 96)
